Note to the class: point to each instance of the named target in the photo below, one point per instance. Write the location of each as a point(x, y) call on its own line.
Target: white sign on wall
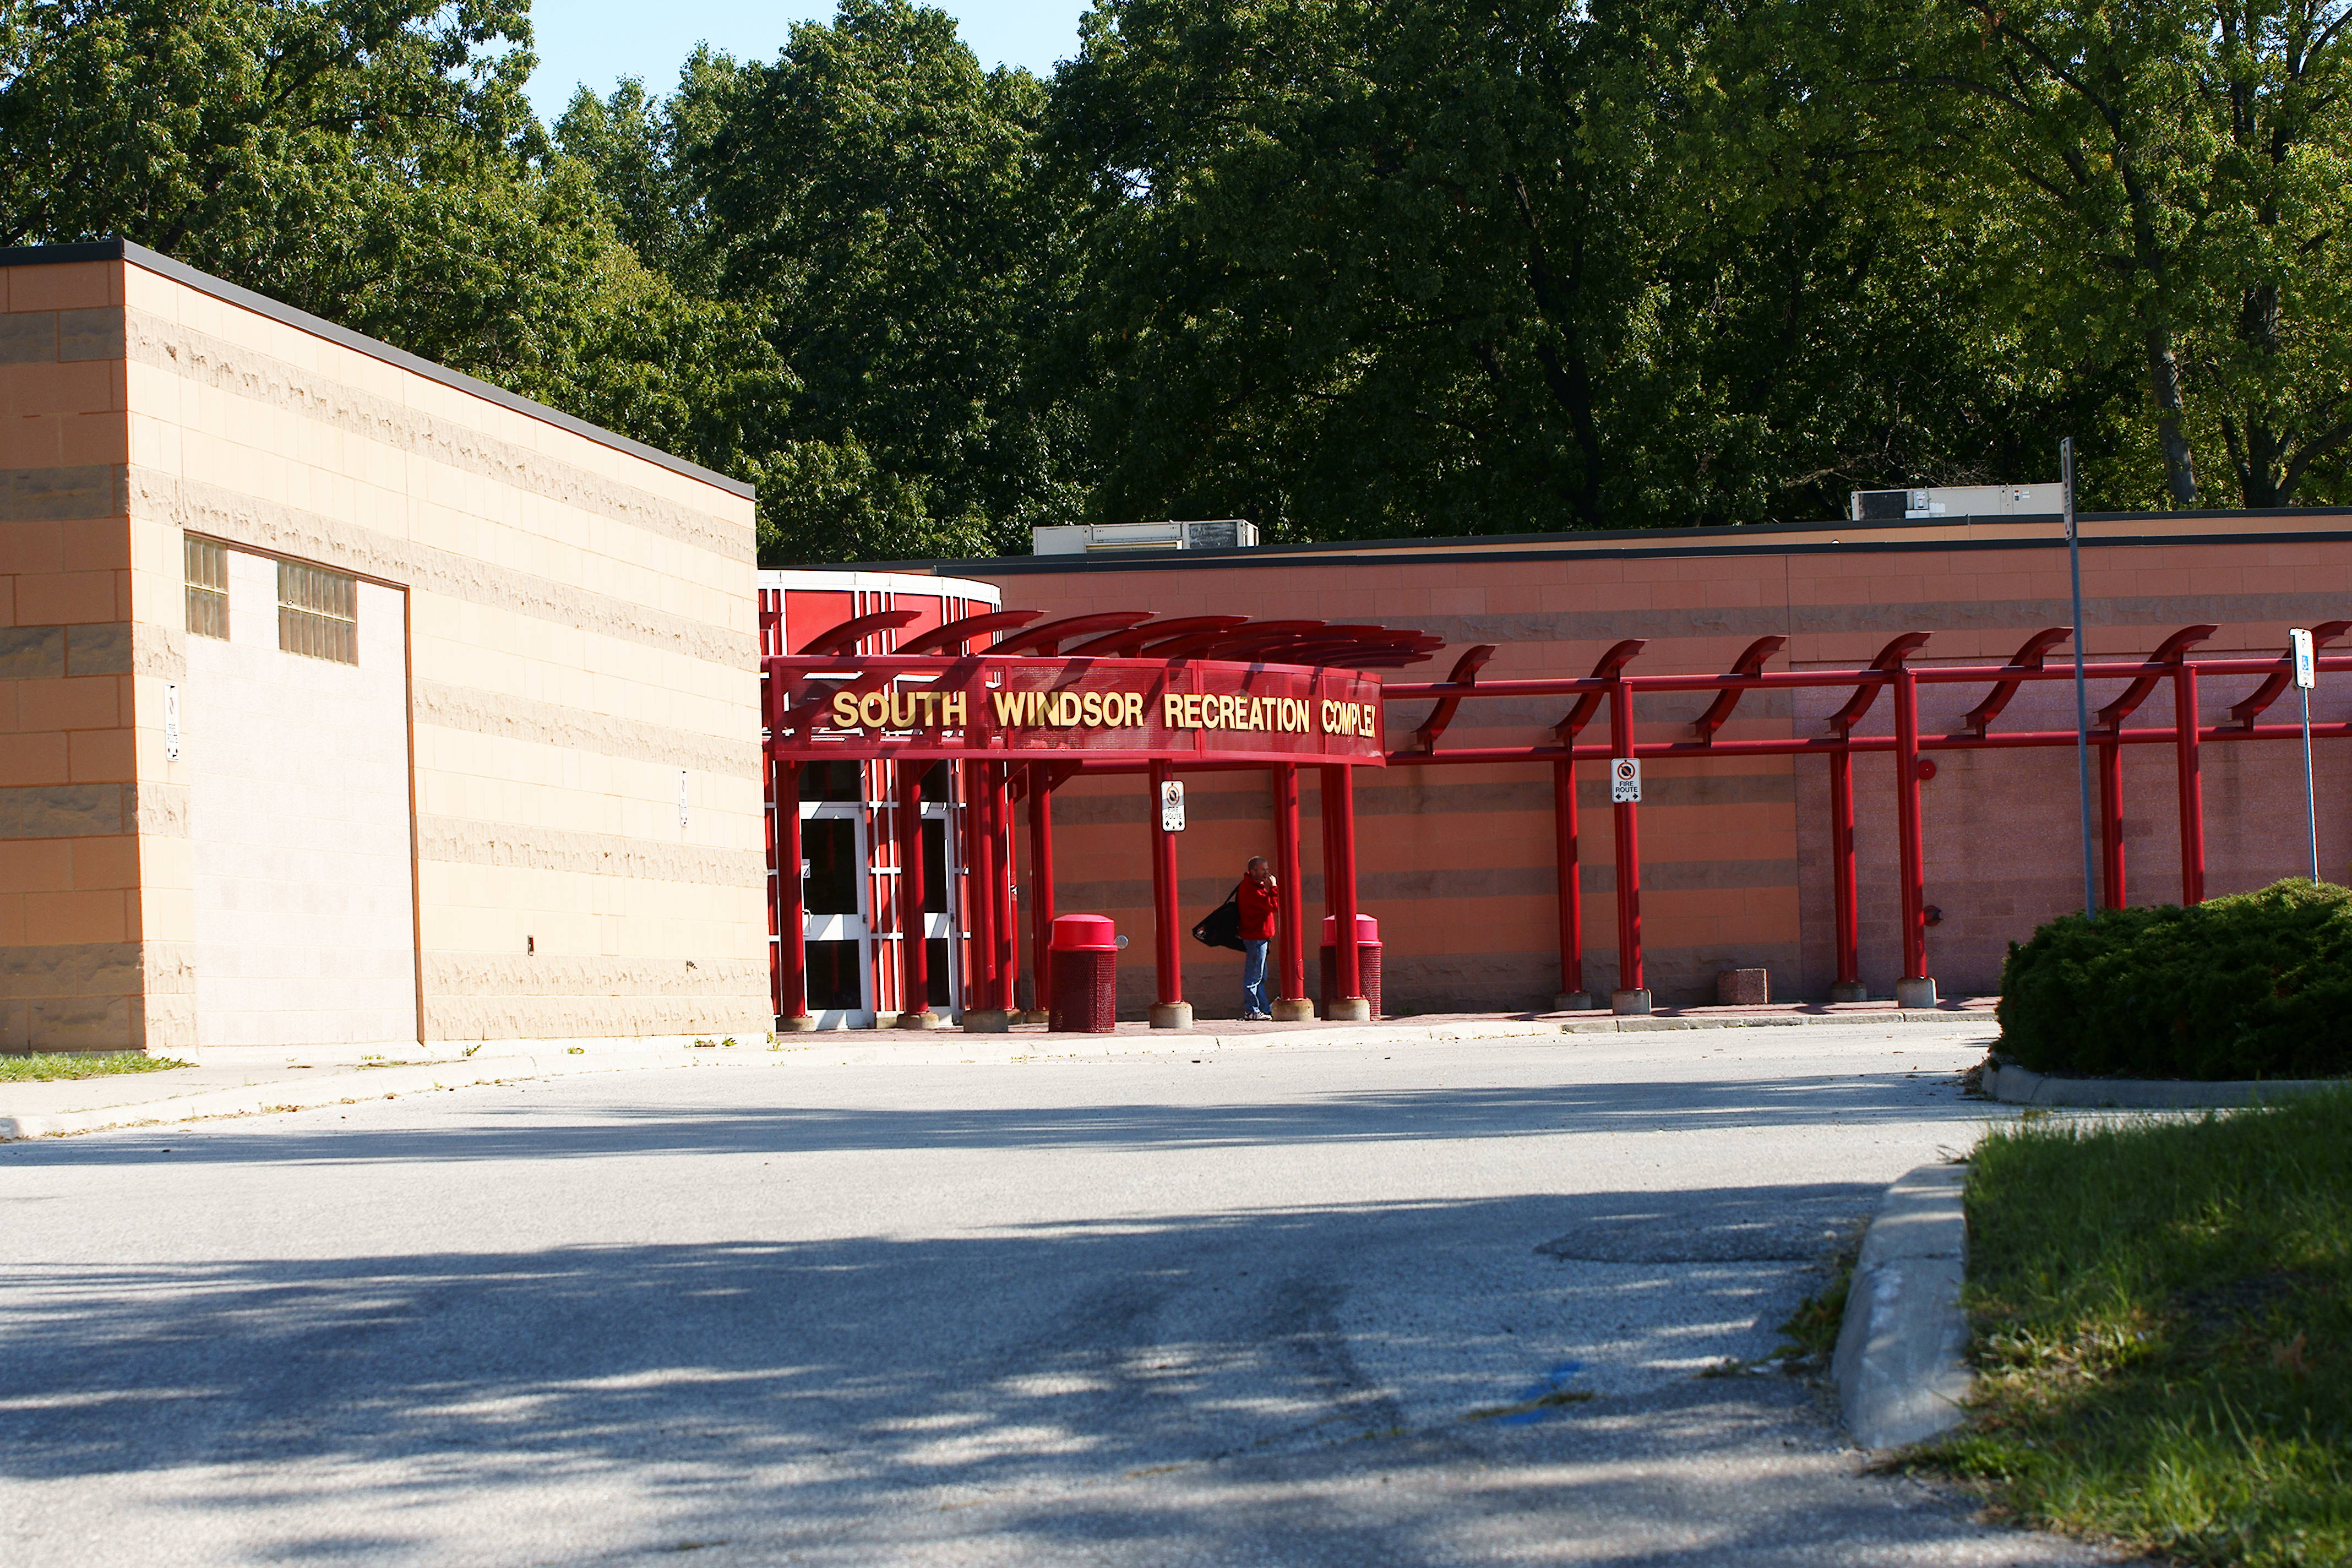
point(1172, 805)
point(681, 797)
point(172, 723)
point(1624, 781)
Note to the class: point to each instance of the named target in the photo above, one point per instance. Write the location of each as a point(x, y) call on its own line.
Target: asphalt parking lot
point(1289, 1305)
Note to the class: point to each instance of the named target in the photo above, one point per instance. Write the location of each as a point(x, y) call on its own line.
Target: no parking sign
point(1624, 781)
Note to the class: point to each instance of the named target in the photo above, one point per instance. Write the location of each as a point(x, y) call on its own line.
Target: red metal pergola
point(1115, 692)
point(1610, 682)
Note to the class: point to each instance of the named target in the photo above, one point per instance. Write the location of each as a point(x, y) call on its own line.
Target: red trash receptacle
point(1367, 961)
point(1085, 974)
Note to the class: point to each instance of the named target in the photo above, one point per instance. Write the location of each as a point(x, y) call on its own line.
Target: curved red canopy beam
point(952, 638)
point(2172, 650)
point(1043, 640)
point(1205, 644)
point(843, 638)
point(1127, 644)
point(2030, 655)
point(1889, 657)
point(2247, 712)
point(1465, 673)
point(1749, 662)
point(1604, 667)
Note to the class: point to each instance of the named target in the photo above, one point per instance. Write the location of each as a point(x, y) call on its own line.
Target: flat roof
point(2107, 530)
point(262, 304)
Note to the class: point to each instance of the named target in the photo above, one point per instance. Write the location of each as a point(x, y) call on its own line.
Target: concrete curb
point(1901, 1366)
point(1779, 1021)
point(346, 1084)
point(344, 1087)
point(2013, 1085)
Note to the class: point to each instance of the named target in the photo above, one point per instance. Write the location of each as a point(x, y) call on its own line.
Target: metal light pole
point(2306, 676)
point(2082, 701)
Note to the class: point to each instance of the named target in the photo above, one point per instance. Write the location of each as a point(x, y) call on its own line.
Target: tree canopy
point(1347, 269)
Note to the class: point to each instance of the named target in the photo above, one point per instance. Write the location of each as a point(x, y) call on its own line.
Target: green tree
point(880, 201)
point(373, 162)
point(1523, 265)
point(2161, 184)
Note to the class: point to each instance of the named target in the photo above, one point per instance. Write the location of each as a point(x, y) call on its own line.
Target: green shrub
point(2253, 986)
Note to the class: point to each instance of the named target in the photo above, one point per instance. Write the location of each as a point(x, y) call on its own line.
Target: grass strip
point(46, 1067)
point(2163, 1329)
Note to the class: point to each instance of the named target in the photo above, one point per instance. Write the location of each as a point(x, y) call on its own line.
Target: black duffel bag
point(1221, 927)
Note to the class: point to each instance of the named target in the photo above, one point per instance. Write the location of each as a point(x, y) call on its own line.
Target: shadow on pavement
point(761, 1121)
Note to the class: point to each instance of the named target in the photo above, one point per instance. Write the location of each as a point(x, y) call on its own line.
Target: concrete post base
point(919, 1021)
point(1349, 1010)
point(1172, 1014)
point(1857, 992)
point(1915, 993)
point(1293, 1010)
point(1572, 1001)
point(1034, 1015)
point(803, 1025)
point(1630, 1003)
point(987, 1021)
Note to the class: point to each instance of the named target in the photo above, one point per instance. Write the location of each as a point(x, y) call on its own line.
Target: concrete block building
point(1456, 862)
point(348, 701)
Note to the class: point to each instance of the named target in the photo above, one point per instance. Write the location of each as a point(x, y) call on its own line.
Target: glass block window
point(317, 612)
point(207, 574)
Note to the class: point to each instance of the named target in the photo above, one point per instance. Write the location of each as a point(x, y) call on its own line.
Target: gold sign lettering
point(905, 710)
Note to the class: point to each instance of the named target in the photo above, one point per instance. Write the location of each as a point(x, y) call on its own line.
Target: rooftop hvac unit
point(1957, 501)
point(1108, 538)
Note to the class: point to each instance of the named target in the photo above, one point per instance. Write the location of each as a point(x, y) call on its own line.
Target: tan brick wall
point(581, 630)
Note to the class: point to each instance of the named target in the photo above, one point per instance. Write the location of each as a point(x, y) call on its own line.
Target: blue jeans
point(1254, 975)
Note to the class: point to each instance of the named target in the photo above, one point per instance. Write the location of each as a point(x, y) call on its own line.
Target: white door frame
point(858, 927)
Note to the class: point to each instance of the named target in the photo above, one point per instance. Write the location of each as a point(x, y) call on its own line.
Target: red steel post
point(1166, 952)
point(1627, 823)
point(791, 906)
point(1907, 811)
point(1008, 914)
point(914, 951)
point(980, 885)
point(2113, 890)
point(1849, 986)
point(1291, 985)
point(1339, 808)
point(1327, 821)
point(2192, 788)
point(1571, 894)
point(1041, 886)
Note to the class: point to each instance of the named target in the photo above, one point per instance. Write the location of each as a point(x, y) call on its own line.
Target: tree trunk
point(2164, 384)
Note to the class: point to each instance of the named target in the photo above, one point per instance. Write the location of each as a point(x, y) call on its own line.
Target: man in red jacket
point(1258, 914)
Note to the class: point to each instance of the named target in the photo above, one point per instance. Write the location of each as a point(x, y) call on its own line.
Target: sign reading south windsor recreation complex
point(1099, 708)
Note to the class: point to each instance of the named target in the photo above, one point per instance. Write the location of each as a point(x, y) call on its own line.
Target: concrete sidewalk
point(249, 1080)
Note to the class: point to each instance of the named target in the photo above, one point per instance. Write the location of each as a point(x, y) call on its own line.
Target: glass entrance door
point(838, 933)
point(939, 909)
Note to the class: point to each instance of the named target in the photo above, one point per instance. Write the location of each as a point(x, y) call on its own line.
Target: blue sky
point(600, 41)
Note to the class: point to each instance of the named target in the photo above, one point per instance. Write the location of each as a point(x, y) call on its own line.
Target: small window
point(318, 612)
point(207, 574)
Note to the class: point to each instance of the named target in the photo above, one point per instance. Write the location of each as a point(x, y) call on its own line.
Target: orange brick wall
point(1456, 862)
point(75, 969)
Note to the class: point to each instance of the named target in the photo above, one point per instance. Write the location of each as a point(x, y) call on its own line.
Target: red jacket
point(1260, 904)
